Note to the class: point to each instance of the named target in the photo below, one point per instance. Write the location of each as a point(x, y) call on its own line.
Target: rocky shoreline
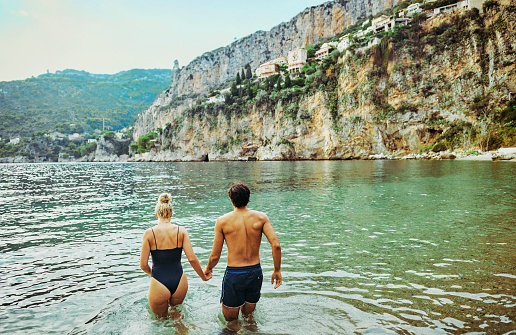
point(506, 154)
point(502, 154)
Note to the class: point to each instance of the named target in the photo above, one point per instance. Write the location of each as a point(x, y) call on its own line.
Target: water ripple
point(372, 247)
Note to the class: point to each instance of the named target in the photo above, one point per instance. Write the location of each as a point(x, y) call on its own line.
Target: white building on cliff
point(344, 43)
point(324, 51)
point(271, 67)
point(296, 60)
point(461, 5)
point(386, 23)
point(267, 69)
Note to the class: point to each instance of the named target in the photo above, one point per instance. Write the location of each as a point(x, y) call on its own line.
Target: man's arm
point(276, 252)
point(218, 243)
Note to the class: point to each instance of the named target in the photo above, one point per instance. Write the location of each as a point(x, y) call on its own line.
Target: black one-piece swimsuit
point(166, 265)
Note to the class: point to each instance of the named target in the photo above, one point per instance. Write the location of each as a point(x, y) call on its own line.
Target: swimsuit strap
point(155, 239)
point(177, 237)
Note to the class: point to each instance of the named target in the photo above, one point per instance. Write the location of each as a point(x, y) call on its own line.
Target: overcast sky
point(109, 36)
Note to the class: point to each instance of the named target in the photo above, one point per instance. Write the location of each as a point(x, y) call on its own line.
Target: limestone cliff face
point(220, 66)
point(393, 100)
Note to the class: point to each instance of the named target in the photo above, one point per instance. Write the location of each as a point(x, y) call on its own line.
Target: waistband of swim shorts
point(244, 268)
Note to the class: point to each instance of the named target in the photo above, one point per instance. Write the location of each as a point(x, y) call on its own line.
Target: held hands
point(276, 276)
point(208, 273)
point(206, 277)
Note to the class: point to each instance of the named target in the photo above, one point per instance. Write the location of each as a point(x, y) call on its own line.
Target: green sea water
point(369, 247)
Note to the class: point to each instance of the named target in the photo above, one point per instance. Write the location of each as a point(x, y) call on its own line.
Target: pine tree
point(228, 99)
point(242, 76)
point(238, 80)
point(248, 72)
point(234, 89)
point(249, 90)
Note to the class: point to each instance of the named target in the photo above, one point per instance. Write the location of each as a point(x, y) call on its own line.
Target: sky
point(109, 36)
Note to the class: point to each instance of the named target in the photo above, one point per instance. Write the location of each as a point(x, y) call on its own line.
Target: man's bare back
point(242, 230)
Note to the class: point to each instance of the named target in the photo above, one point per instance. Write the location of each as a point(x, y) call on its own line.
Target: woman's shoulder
point(182, 232)
point(148, 233)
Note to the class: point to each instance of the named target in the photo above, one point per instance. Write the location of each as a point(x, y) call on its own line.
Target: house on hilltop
point(386, 23)
point(460, 5)
point(324, 51)
point(380, 21)
point(296, 60)
point(344, 43)
point(271, 67)
point(267, 69)
point(281, 60)
point(413, 9)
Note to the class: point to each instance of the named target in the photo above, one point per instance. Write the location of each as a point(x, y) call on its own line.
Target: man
point(242, 230)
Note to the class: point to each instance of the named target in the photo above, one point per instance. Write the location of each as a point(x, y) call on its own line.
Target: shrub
point(108, 134)
point(490, 4)
point(508, 114)
point(310, 51)
point(144, 142)
point(480, 104)
point(406, 107)
point(439, 147)
point(134, 147)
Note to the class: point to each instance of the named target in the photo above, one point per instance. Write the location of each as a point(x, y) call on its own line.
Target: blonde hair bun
point(165, 198)
point(164, 207)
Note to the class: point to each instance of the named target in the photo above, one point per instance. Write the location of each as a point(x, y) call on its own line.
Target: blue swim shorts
point(241, 285)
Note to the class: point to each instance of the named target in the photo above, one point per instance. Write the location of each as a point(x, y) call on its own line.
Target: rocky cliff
point(218, 67)
point(310, 26)
point(437, 84)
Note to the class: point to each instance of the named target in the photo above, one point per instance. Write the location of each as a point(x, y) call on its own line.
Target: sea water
point(368, 247)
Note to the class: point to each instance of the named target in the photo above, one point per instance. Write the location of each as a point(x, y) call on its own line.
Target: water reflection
point(368, 247)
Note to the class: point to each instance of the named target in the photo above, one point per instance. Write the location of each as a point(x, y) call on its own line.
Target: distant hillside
point(36, 104)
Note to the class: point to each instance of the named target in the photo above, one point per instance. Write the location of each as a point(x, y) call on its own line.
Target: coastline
point(502, 154)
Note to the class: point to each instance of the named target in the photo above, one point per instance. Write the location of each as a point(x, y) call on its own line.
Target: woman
point(165, 243)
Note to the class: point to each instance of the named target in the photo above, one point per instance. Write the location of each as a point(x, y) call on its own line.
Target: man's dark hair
point(239, 194)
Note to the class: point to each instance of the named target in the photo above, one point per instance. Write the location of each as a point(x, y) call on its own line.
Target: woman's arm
point(194, 262)
point(144, 254)
point(216, 251)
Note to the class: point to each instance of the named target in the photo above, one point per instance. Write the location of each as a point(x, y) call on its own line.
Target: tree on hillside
point(288, 83)
point(234, 89)
point(310, 51)
point(238, 80)
point(248, 72)
point(228, 99)
point(242, 76)
point(249, 90)
point(278, 83)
